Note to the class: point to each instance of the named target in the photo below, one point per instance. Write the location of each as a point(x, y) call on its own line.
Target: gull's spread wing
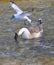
point(15, 7)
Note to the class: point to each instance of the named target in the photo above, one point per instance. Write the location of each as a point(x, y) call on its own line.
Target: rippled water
point(26, 52)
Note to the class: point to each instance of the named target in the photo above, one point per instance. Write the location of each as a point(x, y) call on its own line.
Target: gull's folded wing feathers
point(15, 7)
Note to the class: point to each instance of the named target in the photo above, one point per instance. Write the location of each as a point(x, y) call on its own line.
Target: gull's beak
point(16, 36)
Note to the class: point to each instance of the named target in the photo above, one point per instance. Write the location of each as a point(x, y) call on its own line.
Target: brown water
point(26, 52)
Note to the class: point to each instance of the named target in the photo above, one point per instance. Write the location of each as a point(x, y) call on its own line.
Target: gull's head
point(13, 16)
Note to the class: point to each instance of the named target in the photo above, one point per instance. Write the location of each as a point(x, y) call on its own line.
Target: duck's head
point(19, 33)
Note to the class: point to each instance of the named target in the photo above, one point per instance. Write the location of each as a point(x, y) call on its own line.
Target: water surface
point(26, 52)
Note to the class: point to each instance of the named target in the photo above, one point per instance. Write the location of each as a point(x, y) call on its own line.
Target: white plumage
point(34, 30)
point(20, 15)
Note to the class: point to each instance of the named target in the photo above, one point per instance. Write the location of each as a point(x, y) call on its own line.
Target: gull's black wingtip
point(11, 1)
